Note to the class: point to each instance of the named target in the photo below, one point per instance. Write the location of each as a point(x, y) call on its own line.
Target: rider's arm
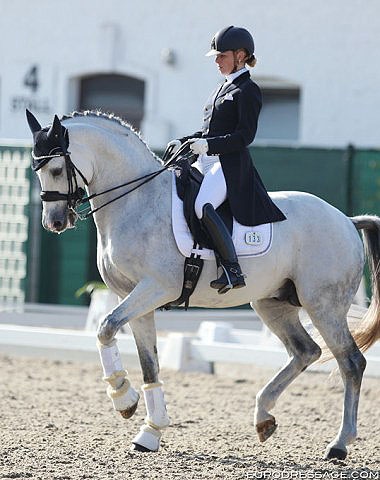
point(194, 135)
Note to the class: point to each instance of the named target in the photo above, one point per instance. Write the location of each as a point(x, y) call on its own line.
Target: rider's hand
point(199, 146)
point(174, 144)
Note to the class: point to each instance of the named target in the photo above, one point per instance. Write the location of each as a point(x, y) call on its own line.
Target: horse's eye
point(56, 172)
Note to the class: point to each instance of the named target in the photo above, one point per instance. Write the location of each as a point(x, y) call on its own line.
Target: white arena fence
point(203, 337)
point(14, 220)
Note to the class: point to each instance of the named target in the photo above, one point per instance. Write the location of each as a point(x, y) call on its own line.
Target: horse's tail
point(369, 329)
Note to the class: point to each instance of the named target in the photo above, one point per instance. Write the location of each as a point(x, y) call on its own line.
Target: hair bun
point(251, 61)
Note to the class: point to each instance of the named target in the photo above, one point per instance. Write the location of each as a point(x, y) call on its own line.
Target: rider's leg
point(213, 189)
point(232, 276)
point(212, 193)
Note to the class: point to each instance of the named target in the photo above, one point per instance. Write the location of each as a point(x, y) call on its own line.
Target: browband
point(39, 162)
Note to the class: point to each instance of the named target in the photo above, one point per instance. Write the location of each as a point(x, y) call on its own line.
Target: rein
point(76, 195)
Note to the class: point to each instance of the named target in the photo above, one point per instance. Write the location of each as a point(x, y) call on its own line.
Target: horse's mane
point(112, 122)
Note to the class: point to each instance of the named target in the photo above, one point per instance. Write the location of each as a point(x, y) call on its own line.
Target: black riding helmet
point(231, 38)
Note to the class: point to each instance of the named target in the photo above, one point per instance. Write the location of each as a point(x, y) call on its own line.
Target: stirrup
point(227, 281)
point(228, 286)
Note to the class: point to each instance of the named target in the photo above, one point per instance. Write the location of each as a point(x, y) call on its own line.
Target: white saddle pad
point(248, 241)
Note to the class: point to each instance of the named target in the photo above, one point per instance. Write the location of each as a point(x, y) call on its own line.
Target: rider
point(229, 127)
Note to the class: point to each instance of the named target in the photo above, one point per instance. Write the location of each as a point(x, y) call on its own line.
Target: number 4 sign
point(31, 92)
point(31, 78)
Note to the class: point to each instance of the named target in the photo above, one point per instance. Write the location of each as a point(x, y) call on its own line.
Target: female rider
point(229, 127)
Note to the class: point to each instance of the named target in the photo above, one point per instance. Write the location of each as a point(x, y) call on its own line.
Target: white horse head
point(56, 173)
point(73, 149)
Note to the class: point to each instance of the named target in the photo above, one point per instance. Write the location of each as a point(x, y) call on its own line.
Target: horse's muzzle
point(58, 222)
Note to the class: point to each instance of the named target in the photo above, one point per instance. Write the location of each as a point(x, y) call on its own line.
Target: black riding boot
point(232, 276)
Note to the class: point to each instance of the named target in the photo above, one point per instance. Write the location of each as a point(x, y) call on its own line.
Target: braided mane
point(114, 121)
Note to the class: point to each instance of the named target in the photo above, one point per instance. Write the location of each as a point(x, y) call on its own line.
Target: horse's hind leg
point(282, 319)
point(148, 439)
point(332, 325)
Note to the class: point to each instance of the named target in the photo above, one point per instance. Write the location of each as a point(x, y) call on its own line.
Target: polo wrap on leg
point(148, 437)
point(119, 390)
point(123, 397)
point(110, 358)
point(157, 416)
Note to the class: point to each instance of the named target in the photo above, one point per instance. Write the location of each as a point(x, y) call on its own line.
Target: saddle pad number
point(253, 238)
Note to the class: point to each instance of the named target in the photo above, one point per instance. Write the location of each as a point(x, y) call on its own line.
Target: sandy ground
point(57, 423)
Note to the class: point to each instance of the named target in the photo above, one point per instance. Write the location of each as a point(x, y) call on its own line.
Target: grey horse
point(316, 261)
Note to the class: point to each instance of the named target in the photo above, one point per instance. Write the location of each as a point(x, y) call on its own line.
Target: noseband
point(75, 194)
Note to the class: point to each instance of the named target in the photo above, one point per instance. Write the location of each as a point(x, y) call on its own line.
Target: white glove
point(199, 146)
point(175, 144)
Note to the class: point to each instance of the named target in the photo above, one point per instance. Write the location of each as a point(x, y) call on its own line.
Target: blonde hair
point(251, 61)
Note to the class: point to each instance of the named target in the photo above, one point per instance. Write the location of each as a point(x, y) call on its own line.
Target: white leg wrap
point(123, 397)
point(157, 416)
point(148, 437)
point(110, 358)
point(121, 393)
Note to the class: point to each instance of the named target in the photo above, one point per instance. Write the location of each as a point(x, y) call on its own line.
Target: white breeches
point(213, 189)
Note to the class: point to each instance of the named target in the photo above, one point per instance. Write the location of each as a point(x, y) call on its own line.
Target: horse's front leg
point(148, 439)
point(123, 396)
point(137, 306)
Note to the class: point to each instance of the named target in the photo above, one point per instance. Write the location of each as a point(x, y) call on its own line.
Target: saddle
point(188, 182)
point(249, 241)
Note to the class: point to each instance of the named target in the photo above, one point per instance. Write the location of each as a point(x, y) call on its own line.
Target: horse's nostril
point(57, 224)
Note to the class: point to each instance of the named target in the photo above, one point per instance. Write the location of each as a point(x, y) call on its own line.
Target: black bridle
point(75, 195)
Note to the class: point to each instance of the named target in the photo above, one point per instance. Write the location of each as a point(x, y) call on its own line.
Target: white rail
point(214, 342)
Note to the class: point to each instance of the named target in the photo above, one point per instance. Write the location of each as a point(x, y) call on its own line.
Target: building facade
point(318, 65)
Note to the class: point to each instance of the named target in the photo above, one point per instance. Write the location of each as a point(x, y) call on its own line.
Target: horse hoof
point(335, 453)
point(135, 447)
point(128, 413)
point(266, 429)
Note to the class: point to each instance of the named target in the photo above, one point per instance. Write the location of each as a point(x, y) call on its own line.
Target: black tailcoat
point(229, 125)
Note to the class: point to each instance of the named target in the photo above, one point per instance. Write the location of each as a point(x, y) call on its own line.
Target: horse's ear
point(32, 122)
point(55, 131)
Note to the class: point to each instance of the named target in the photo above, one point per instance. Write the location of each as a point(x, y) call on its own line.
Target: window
point(279, 117)
point(111, 93)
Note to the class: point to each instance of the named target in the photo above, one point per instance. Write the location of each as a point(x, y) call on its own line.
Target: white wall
point(330, 49)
